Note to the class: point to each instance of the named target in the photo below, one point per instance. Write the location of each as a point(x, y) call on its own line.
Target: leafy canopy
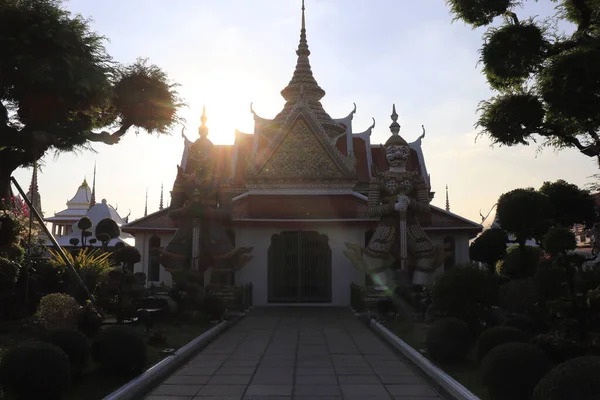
point(59, 87)
point(548, 83)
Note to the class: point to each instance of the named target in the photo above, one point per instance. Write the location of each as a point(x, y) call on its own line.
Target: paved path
point(296, 353)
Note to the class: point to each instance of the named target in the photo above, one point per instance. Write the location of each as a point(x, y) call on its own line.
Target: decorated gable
point(300, 154)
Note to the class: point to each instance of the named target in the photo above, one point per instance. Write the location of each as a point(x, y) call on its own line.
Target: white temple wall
point(256, 271)
point(142, 243)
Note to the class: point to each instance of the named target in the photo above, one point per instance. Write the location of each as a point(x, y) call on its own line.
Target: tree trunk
point(9, 162)
point(5, 189)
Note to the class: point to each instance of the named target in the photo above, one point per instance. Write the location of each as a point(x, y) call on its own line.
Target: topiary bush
point(214, 307)
point(522, 322)
point(498, 335)
point(518, 296)
point(578, 378)
point(119, 352)
point(74, 344)
point(449, 340)
point(465, 292)
point(516, 267)
point(511, 370)
point(35, 370)
point(58, 310)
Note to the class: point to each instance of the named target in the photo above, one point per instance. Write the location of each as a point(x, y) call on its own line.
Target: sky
point(225, 54)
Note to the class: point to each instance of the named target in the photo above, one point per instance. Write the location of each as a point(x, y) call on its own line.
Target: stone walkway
point(296, 353)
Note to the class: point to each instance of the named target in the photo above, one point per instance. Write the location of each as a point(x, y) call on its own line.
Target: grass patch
point(467, 373)
point(95, 385)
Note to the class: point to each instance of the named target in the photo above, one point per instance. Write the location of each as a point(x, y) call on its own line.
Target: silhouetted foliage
point(489, 247)
point(571, 205)
point(548, 81)
point(58, 85)
point(524, 213)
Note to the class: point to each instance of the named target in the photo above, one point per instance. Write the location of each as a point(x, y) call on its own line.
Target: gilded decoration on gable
point(300, 154)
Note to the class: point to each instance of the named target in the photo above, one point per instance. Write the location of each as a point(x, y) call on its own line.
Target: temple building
point(299, 185)
point(64, 223)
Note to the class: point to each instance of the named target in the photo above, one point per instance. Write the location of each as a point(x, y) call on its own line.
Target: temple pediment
point(300, 151)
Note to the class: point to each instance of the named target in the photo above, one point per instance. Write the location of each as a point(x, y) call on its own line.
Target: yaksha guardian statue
point(397, 197)
point(201, 206)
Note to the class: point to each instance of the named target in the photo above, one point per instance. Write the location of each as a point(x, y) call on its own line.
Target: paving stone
point(359, 380)
point(411, 390)
point(343, 370)
point(235, 371)
point(230, 380)
point(194, 370)
point(316, 380)
point(296, 397)
point(222, 390)
point(317, 390)
point(314, 371)
point(315, 353)
point(176, 390)
point(402, 379)
point(258, 397)
point(269, 390)
point(187, 380)
point(152, 397)
point(364, 390)
point(241, 363)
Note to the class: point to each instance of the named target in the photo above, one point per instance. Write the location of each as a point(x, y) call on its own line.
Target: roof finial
point(303, 21)
point(146, 207)
point(447, 200)
point(160, 205)
point(395, 126)
point(93, 199)
point(203, 129)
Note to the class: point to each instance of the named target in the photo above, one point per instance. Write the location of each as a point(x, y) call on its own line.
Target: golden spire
point(447, 200)
point(203, 129)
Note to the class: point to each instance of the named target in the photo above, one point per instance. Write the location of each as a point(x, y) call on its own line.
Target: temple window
point(154, 263)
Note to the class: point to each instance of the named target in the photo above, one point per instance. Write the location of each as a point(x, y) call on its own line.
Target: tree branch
point(3, 115)
point(107, 137)
point(573, 141)
point(586, 15)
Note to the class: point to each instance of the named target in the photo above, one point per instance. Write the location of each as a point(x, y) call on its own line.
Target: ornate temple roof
point(304, 89)
point(97, 213)
point(77, 207)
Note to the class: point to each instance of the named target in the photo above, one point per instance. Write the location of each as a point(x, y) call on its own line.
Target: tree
point(570, 204)
point(106, 230)
point(59, 87)
point(548, 83)
point(525, 213)
point(489, 247)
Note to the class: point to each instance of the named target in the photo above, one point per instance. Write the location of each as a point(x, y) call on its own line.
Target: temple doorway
point(299, 269)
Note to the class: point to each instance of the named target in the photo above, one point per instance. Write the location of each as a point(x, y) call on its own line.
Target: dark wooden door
point(299, 268)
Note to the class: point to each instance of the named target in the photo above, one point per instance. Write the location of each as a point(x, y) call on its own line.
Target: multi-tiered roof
point(303, 165)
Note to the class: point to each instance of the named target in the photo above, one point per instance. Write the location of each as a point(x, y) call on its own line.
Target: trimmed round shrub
point(119, 352)
point(449, 340)
point(518, 296)
point(516, 267)
point(214, 307)
point(578, 378)
point(74, 344)
point(35, 370)
point(511, 370)
point(58, 310)
point(498, 335)
point(522, 322)
point(465, 292)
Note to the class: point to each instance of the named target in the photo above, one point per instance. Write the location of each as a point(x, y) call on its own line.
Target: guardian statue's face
point(397, 156)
